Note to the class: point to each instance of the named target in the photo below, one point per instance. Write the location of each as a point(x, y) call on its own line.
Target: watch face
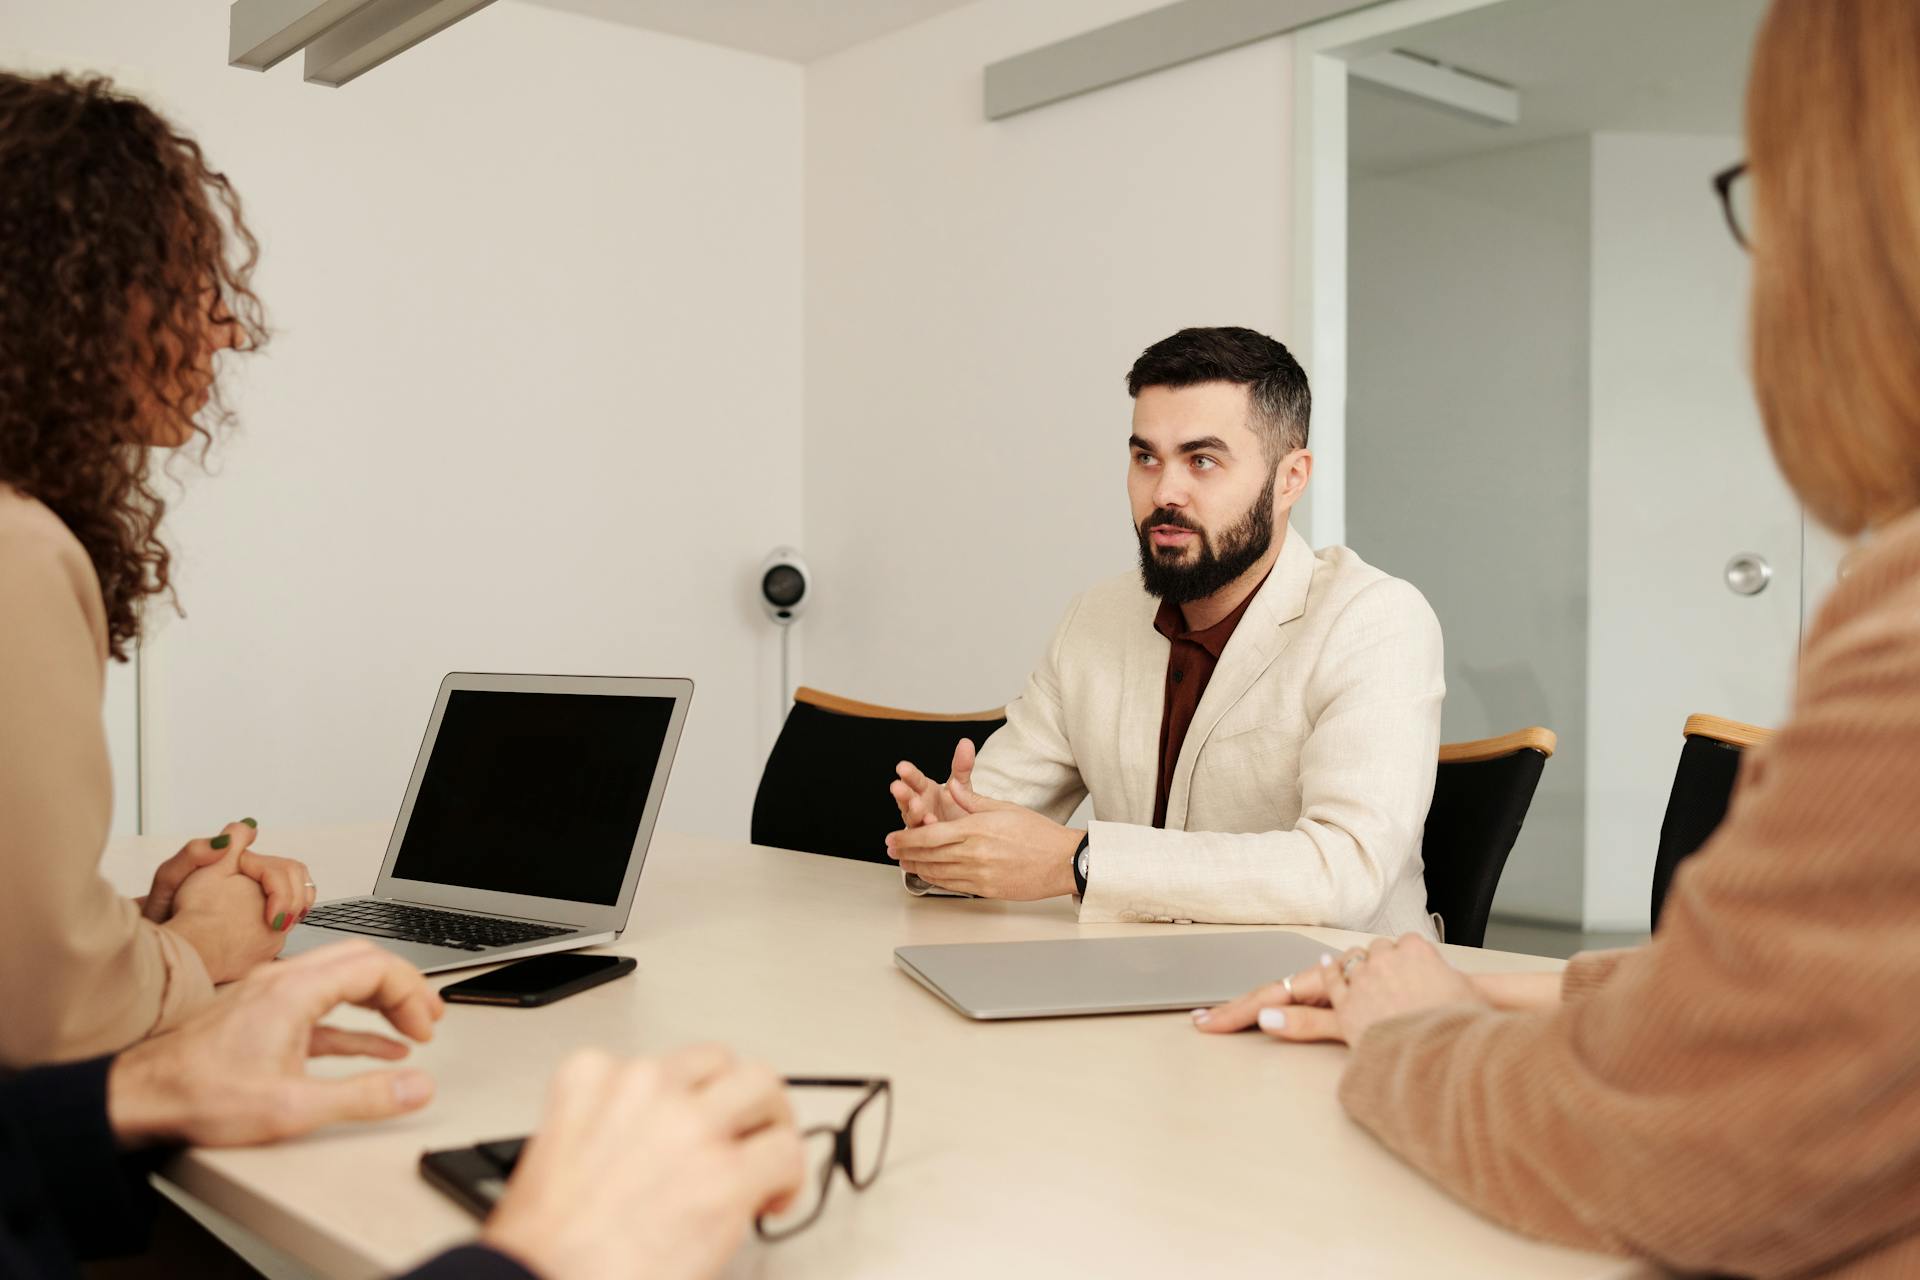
point(1080, 863)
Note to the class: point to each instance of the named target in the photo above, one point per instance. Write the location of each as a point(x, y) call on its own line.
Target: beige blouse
point(1743, 1094)
point(81, 972)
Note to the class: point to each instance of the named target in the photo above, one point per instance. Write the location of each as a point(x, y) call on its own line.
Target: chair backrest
point(1702, 788)
point(1480, 797)
point(824, 789)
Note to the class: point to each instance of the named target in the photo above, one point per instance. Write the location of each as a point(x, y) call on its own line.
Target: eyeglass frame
point(875, 1087)
point(1723, 183)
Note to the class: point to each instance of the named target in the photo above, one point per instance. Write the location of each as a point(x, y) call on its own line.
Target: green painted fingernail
point(250, 822)
point(221, 841)
point(280, 922)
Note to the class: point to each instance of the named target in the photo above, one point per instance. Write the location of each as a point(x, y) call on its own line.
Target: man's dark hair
point(1275, 382)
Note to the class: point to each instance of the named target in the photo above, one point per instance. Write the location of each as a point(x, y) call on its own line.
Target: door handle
point(1748, 574)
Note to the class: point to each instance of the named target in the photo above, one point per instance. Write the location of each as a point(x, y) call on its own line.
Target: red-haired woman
point(1743, 1094)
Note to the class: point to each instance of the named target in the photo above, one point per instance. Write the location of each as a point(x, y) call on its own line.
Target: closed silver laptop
point(1077, 976)
point(525, 824)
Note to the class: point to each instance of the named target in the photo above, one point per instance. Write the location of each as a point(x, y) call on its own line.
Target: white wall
point(1467, 453)
point(1548, 368)
point(1682, 481)
point(975, 294)
point(533, 403)
point(122, 715)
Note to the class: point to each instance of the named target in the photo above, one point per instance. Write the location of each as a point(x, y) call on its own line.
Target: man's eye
point(1203, 463)
point(1143, 458)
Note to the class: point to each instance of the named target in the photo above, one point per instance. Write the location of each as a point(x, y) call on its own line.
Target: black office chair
point(1702, 789)
point(825, 785)
point(1481, 795)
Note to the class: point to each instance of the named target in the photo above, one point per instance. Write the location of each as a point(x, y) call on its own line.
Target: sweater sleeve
point(81, 972)
point(1742, 1094)
point(471, 1262)
point(1589, 972)
point(65, 1173)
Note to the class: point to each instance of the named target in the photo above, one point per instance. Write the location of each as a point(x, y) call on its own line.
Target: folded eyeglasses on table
point(476, 1176)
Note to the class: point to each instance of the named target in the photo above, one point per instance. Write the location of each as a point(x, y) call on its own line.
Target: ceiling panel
point(796, 30)
point(1665, 66)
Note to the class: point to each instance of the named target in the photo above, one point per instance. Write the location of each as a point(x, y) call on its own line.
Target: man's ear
point(1295, 470)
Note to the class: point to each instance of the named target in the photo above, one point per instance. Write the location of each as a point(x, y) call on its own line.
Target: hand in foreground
point(922, 801)
point(993, 850)
point(653, 1167)
point(236, 1074)
point(285, 882)
point(1345, 995)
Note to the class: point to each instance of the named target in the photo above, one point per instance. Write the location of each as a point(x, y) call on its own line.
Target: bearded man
point(1256, 723)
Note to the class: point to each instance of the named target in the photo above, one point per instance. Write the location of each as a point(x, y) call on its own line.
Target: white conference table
point(1113, 1146)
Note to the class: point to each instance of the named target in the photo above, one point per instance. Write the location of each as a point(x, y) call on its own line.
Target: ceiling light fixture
point(343, 39)
point(1480, 98)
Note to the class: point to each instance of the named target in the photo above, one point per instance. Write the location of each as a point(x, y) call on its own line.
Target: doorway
point(1526, 320)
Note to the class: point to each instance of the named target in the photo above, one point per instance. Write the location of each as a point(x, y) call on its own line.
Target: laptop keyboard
point(408, 923)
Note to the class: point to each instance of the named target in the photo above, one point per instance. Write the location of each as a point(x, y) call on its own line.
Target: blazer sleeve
point(1743, 1094)
point(81, 972)
point(1029, 761)
point(1366, 779)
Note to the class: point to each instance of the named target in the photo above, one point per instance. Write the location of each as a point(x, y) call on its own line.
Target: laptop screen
point(535, 793)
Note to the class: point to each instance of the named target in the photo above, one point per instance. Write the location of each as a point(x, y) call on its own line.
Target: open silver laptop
point(1075, 976)
point(525, 823)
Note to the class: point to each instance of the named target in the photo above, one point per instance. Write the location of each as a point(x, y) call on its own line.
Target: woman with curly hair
point(1742, 1094)
point(124, 269)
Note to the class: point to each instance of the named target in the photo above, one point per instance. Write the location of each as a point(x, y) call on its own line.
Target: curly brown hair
point(119, 247)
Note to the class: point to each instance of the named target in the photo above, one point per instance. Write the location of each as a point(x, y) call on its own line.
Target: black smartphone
point(474, 1176)
point(540, 980)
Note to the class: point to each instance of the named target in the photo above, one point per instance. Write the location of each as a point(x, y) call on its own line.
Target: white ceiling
point(1675, 66)
point(1667, 66)
point(796, 30)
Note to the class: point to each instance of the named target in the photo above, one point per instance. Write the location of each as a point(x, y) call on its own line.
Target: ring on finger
point(1286, 984)
point(1346, 966)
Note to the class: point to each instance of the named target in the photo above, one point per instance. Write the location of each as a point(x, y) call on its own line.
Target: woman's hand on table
point(285, 883)
point(219, 914)
point(1344, 995)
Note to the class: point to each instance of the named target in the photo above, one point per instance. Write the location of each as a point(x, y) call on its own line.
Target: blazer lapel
point(1143, 687)
point(1256, 642)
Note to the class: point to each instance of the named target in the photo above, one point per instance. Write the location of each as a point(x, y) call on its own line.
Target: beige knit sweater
point(1743, 1094)
point(81, 973)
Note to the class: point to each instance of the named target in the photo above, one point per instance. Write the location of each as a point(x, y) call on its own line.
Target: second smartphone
point(539, 980)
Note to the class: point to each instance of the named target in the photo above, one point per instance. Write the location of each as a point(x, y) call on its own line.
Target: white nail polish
point(1272, 1020)
point(1326, 960)
point(1201, 1015)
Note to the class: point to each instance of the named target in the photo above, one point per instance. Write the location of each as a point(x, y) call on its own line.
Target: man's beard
point(1241, 547)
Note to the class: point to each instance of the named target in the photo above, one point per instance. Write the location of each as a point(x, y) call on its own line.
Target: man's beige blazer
point(1302, 787)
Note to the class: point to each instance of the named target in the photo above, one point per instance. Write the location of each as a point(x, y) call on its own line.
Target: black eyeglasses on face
point(1733, 187)
point(857, 1146)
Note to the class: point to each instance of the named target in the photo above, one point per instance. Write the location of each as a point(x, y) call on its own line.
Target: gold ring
point(1346, 968)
